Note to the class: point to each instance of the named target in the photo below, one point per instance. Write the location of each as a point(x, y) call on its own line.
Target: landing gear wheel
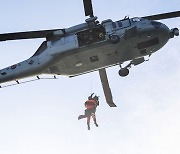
point(114, 39)
point(123, 72)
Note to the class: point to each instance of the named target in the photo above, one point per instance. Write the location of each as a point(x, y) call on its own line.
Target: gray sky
point(41, 117)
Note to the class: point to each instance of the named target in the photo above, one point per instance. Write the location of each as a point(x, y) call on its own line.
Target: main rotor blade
point(163, 16)
point(88, 8)
point(26, 35)
point(106, 88)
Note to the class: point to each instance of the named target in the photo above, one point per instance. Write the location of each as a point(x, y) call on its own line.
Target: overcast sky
point(41, 117)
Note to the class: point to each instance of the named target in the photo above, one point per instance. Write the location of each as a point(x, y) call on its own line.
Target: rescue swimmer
point(91, 105)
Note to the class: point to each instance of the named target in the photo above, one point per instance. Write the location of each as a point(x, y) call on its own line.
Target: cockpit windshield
point(136, 19)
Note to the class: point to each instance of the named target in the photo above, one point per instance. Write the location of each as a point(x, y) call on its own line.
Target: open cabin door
point(106, 88)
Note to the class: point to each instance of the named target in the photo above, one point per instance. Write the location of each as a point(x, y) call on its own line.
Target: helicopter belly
point(88, 59)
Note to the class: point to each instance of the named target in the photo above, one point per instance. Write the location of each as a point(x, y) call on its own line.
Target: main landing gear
point(123, 72)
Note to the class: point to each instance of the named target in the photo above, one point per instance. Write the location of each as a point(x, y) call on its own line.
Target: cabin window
point(126, 23)
point(114, 25)
point(119, 23)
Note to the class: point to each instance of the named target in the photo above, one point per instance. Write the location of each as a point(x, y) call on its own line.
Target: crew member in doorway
point(91, 105)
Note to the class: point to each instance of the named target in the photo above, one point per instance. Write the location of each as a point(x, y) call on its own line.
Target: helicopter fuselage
point(85, 48)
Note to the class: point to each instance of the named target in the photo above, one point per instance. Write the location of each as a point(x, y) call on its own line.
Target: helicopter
point(92, 46)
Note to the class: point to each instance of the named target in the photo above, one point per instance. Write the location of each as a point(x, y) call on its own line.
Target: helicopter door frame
point(126, 23)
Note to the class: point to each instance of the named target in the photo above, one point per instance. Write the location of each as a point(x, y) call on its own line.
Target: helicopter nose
point(170, 33)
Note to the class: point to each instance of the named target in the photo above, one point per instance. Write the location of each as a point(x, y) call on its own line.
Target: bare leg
point(88, 122)
point(94, 118)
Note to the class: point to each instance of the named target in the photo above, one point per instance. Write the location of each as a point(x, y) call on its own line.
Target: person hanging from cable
point(91, 105)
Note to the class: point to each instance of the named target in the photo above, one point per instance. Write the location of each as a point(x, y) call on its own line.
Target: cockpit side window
point(41, 49)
